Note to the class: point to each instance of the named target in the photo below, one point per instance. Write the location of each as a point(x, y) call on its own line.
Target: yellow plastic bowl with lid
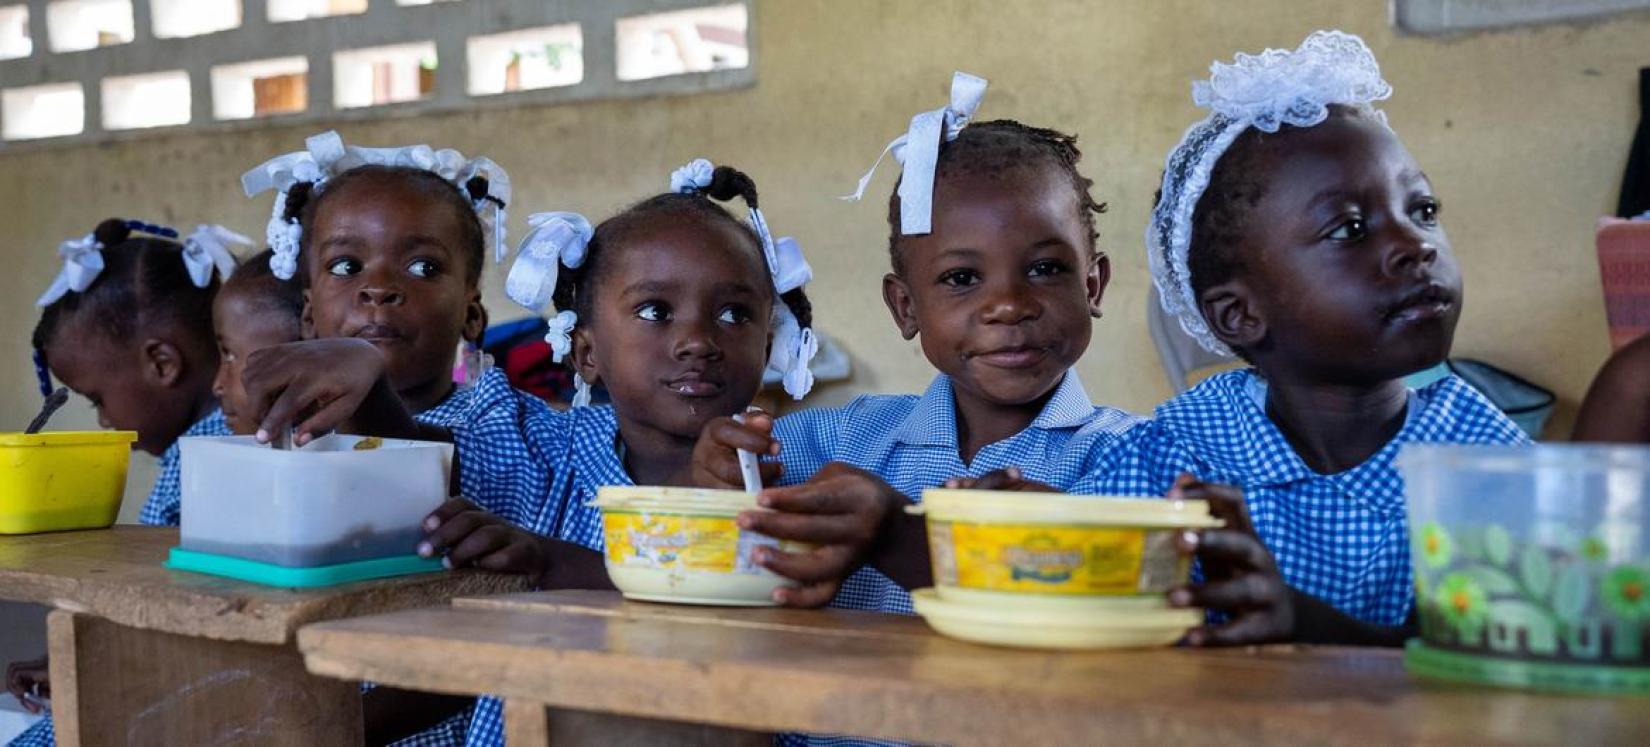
point(681, 545)
point(52, 482)
point(1057, 551)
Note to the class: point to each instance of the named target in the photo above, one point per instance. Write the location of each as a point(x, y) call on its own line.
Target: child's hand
point(842, 510)
point(715, 463)
point(29, 681)
point(314, 385)
point(1240, 576)
point(471, 537)
point(1008, 478)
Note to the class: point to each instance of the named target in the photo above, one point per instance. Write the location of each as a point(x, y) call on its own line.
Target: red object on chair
point(1624, 266)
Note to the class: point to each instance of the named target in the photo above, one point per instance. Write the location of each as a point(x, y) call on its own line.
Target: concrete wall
point(1523, 132)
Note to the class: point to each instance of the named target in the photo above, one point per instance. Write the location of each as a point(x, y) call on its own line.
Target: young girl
point(996, 271)
point(389, 245)
point(254, 310)
point(1295, 230)
point(673, 306)
point(128, 325)
point(1617, 408)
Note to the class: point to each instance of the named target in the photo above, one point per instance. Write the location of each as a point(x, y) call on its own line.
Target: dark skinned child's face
point(681, 326)
point(1003, 291)
point(1349, 276)
point(386, 264)
point(142, 386)
point(243, 326)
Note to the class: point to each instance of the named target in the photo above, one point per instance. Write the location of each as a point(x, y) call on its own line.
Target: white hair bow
point(918, 152)
point(559, 334)
point(207, 250)
point(696, 175)
point(82, 262)
point(794, 347)
point(556, 240)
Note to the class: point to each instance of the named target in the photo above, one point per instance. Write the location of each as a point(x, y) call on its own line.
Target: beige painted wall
point(1524, 133)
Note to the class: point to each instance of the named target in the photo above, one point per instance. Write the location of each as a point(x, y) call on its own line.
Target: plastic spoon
point(54, 401)
point(747, 465)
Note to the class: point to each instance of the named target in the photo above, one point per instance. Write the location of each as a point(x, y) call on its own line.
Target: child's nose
point(1409, 253)
point(380, 296)
point(1010, 303)
point(696, 342)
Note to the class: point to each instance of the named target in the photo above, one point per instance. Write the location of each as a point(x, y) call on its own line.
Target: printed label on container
point(709, 544)
point(1052, 559)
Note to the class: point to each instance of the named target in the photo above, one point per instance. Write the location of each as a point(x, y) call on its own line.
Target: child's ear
point(161, 363)
point(1098, 278)
point(584, 356)
point(897, 294)
point(475, 318)
point(307, 322)
point(1232, 316)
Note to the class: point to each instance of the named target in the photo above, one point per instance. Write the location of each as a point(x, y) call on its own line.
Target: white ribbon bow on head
point(555, 240)
point(82, 262)
point(559, 334)
point(790, 269)
point(694, 176)
point(207, 250)
point(918, 151)
point(498, 188)
point(794, 347)
point(318, 161)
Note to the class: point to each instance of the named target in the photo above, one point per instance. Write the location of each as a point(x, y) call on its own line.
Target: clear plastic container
point(1056, 550)
point(53, 482)
point(681, 545)
point(340, 499)
point(1532, 565)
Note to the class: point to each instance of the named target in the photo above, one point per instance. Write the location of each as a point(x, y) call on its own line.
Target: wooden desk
point(143, 655)
point(890, 676)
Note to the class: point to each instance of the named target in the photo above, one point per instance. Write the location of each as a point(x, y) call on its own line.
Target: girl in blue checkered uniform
point(128, 325)
point(996, 272)
point(1295, 231)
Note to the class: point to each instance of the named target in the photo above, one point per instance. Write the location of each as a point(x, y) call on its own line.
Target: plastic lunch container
point(1532, 565)
point(62, 480)
point(681, 545)
point(342, 508)
point(1055, 550)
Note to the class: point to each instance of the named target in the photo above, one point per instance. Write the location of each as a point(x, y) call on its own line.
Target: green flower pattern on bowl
point(1481, 590)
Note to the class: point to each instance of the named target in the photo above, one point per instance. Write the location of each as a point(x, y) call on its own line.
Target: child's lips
point(694, 385)
point(379, 334)
point(1019, 356)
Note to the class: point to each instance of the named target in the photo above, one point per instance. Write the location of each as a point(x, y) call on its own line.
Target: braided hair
point(1000, 146)
point(144, 286)
point(576, 287)
point(303, 202)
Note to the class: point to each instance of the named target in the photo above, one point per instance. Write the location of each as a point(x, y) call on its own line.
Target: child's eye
point(653, 312)
point(1351, 230)
point(959, 278)
point(344, 267)
point(423, 268)
point(1047, 267)
point(1426, 213)
point(734, 315)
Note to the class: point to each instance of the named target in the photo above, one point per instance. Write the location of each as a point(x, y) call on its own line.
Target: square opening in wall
point(383, 75)
point(298, 10)
point(150, 100)
point(261, 88)
point(683, 41)
point(523, 60)
point(74, 25)
point(180, 18)
point(51, 110)
point(14, 32)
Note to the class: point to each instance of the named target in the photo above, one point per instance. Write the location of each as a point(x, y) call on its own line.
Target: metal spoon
point(47, 410)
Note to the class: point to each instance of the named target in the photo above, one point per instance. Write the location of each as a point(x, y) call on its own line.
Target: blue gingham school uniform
point(1343, 537)
point(163, 508)
point(537, 468)
point(911, 442)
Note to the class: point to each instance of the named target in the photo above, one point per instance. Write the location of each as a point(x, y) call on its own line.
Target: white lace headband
point(326, 156)
point(918, 152)
point(1265, 91)
point(205, 254)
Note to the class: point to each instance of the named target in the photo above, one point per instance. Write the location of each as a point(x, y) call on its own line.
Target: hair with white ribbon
point(1265, 92)
point(918, 152)
point(326, 156)
point(206, 252)
point(203, 253)
point(556, 240)
point(82, 263)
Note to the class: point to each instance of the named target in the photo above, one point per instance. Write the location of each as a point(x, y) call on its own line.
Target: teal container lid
point(269, 574)
point(1545, 676)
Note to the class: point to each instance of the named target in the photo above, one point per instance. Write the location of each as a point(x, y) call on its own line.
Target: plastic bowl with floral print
point(1532, 565)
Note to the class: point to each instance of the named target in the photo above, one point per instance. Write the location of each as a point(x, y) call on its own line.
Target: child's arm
point(848, 513)
point(471, 537)
point(1617, 408)
point(1242, 580)
point(316, 386)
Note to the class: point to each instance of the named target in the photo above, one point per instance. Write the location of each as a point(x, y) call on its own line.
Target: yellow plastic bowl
point(51, 482)
point(1056, 551)
point(1131, 626)
point(681, 545)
